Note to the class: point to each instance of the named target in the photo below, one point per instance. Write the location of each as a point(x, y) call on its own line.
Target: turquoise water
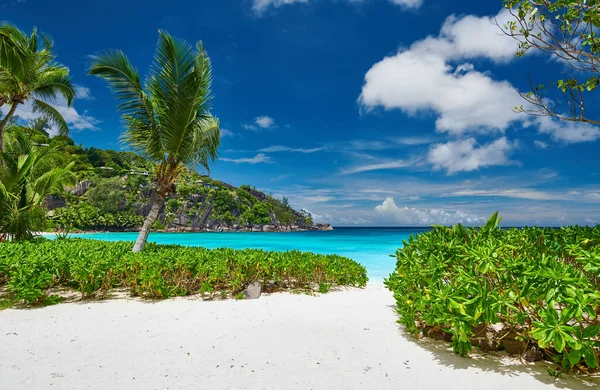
point(371, 247)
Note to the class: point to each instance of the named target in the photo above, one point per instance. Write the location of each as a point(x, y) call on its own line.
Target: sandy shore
point(342, 340)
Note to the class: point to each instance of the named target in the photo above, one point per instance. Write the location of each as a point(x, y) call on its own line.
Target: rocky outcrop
point(80, 188)
point(323, 226)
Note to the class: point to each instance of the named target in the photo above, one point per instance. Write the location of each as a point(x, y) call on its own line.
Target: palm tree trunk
point(140, 243)
point(3, 124)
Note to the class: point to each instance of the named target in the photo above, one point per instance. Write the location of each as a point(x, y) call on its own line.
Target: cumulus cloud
point(434, 75)
point(389, 213)
point(259, 158)
point(75, 119)
point(466, 156)
point(265, 122)
point(260, 122)
point(568, 132)
point(83, 93)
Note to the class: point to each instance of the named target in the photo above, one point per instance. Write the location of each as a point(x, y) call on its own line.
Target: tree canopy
point(568, 31)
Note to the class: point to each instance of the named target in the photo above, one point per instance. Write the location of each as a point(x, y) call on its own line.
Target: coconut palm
point(28, 175)
point(167, 119)
point(29, 72)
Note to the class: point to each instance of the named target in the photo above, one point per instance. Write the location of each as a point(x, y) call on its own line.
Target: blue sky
point(364, 112)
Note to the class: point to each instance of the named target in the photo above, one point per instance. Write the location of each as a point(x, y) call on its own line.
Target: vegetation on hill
point(529, 291)
point(31, 269)
point(114, 188)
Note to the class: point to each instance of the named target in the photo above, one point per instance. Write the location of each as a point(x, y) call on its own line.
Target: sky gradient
point(372, 112)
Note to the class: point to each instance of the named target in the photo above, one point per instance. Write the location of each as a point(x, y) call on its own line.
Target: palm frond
point(52, 114)
point(13, 49)
point(52, 182)
point(53, 81)
point(143, 138)
point(174, 86)
point(205, 147)
point(124, 80)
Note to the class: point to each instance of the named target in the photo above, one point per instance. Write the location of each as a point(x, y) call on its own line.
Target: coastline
point(244, 229)
point(281, 340)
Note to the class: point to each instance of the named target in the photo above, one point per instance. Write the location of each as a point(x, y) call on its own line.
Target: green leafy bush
point(31, 269)
point(83, 216)
point(542, 285)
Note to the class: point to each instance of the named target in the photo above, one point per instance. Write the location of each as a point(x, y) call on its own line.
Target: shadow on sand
point(500, 362)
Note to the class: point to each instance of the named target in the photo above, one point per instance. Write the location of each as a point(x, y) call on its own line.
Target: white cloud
point(389, 212)
point(522, 193)
point(249, 127)
point(427, 77)
point(413, 141)
point(260, 122)
point(540, 144)
point(408, 3)
point(265, 122)
point(259, 158)
point(74, 119)
point(260, 6)
point(83, 93)
point(281, 148)
point(317, 199)
point(379, 166)
point(226, 133)
point(473, 36)
point(465, 156)
point(568, 132)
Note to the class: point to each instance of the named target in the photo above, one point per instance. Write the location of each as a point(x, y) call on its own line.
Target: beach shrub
point(31, 269)
point(541, 285)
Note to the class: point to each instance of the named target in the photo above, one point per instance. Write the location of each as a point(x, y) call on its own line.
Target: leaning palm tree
point(28, 175)
point(167, 119)
point(29, 72)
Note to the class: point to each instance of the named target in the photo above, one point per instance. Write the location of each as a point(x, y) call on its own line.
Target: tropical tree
point(568, 31)
point(29, 72)
point(28, 175)
point(167, 119)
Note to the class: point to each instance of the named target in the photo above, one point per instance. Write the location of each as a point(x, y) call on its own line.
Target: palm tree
point(29, 72)
point(167, 120)
point(28, 175)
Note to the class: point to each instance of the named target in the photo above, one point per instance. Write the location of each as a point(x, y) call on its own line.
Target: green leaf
point(590, 331)
point(590, 357)
point(559, 341)
point(575, 356)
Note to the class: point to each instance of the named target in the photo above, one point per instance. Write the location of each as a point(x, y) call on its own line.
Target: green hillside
point(114, 190)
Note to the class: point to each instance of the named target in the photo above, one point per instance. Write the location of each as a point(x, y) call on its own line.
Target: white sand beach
point(342, 340)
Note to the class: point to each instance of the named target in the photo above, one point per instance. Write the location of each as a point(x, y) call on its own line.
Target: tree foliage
point(167, 119)
point(29, 72)
point(568, 31)
point(541, 285)
point(28, 174)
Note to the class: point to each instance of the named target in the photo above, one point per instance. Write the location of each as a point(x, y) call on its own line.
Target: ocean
point(371, 247)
